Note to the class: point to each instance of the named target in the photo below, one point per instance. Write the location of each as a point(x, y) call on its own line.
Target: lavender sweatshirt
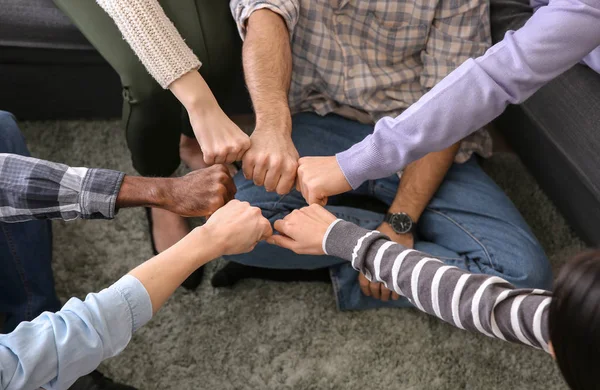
point(559, 35)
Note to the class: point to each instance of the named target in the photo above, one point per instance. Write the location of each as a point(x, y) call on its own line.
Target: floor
point(266, 335)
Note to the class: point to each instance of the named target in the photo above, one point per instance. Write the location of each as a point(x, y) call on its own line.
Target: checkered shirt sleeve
point(38, 189)
point(460, 30)
point(241, 10)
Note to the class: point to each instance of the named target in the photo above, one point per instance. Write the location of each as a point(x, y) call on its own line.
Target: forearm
point(37, 189)
point(476, 302)
point(267, 62)
point(153, 38)
point(420, 180)
point(165, 272)
point(554, 39)
point(137, 191)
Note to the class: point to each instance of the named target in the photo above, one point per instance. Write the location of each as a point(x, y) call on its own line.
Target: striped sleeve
point(476, 302)
point(37, 189)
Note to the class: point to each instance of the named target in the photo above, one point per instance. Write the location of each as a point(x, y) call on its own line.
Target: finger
point(231, 157)
point(385, 293)
point(282, 241)
point(395, 296)
point(231, 189)
point(314, 199)
point(248, 168)
point(272, 178)
point(281, 226)
point(240, 155)
point(286, 182)
point(364, 285)
point(260, 172)
point(220, 158)
point(266, 229)
point(375, 290)
point(209, 158)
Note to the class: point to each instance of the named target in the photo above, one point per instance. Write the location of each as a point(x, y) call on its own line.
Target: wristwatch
point(401, 223)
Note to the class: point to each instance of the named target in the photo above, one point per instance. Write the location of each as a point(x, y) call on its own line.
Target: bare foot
point(191, 155)
point(167, 229)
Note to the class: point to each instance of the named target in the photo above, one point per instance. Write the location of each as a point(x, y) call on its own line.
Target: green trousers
point(153, 118)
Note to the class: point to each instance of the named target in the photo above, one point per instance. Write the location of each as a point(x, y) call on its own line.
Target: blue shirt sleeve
point(55, 349)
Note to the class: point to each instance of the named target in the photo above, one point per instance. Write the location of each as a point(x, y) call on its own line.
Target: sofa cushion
point(38, 24)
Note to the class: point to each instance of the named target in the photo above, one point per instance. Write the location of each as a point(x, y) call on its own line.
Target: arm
point(480, 303)
point(36, 189)
point(267, 27)
point(55, 349)
point(554, 39)
point(163, 52)
point(420, 180)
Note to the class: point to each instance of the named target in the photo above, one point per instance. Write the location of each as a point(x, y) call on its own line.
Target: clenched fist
point(272, 160)
point(199, 193)
point(319, 178)
point(237, 228)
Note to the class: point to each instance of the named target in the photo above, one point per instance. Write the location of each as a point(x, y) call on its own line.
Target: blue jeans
point(26, 279)
point(470, 222)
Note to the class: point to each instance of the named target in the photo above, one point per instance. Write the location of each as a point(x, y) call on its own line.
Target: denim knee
point(534, 270)
point(11, 138)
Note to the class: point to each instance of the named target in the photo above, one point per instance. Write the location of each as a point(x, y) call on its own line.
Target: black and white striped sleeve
point(476, 302)
point(37, 189)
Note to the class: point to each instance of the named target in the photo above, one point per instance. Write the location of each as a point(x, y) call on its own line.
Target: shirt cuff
point(99, 191)
point(137, 298)
point(288, 12)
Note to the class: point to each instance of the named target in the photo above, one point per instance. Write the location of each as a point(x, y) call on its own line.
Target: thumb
point(281, 241)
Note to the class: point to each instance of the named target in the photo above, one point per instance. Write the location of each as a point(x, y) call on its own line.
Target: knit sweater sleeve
point(153, 38)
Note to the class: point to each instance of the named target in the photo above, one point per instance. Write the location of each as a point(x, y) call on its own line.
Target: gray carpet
point(265, 335)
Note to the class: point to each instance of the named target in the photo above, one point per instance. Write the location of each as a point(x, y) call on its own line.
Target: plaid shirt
point(368, 59)
point(38, 189)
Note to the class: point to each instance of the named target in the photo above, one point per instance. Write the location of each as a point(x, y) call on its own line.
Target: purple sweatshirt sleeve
point(556, 37)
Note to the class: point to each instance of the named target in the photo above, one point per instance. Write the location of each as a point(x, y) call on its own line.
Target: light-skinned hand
point(221, 140)
point(272, 160)
point(303, 230)
point(319, 178)
point(236, 228)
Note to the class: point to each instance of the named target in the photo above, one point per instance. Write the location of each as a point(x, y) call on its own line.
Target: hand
point(236, 228)
point(272, 160)
point(222, 142)
point(199, 193)
point(376, 289)
point(303, 230)
point(319, 178)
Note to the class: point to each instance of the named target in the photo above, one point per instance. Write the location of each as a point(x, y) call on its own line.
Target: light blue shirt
point(55, 349)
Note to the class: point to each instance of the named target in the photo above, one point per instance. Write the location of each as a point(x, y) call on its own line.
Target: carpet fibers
point(266, 335)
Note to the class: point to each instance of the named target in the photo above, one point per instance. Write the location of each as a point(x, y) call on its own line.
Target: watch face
point(401, 223)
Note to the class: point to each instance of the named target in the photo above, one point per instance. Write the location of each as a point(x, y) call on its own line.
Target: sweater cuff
point(361, 162)
point(343, 239)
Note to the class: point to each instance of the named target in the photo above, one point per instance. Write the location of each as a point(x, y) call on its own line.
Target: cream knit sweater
point(153, 38)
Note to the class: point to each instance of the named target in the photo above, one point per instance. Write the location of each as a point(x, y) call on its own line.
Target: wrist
point(210, 244)
point(137, 191)
point(193, 93)
point(277, 119)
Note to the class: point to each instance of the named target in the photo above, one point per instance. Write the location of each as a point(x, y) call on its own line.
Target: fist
point(237, 228)
point(319, 178)
point(303, 230)
point(272, 161)
point(221, 140)
point(201, 192)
